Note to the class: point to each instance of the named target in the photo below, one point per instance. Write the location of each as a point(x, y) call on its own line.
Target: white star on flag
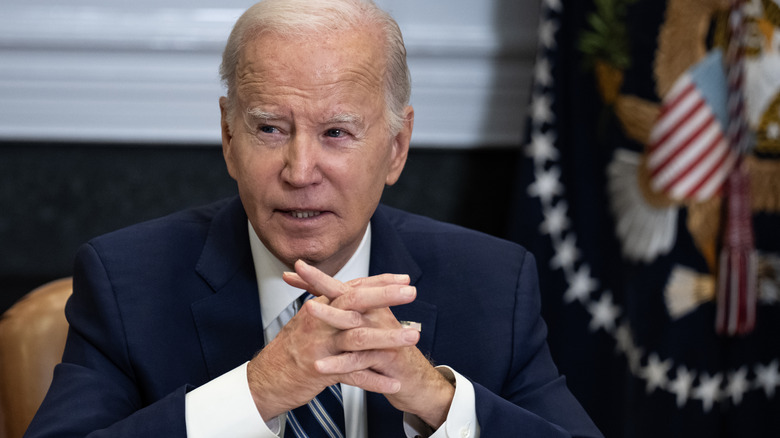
point(655, 373)
point(566, 253)
point(681, 385)
point(555, 5)
point(581, 284)
point(541, 109)
point(547, 185)
point(543, 72)
point(768, 378)
point(708, 390)
point(555, 219)
point(603, 313)
point(547, 30)
point(624, 339)
point(634, 358)
point(542, 147)
point(738, 384)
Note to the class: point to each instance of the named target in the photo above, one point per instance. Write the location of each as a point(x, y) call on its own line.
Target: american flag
point(689, 157)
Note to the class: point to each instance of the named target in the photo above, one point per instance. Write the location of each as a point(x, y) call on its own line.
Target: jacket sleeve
point(534, 400)
point(95, 392)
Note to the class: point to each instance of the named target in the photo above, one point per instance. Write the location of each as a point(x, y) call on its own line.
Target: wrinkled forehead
point(315, 54)
point(330, 63)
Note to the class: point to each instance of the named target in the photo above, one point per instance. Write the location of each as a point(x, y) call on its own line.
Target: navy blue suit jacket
point(165, 306)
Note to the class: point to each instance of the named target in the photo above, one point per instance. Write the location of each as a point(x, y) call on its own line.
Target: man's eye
point(268, 129)
point(334, 133)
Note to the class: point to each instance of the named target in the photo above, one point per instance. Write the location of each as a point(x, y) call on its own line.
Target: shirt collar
point(275, 294)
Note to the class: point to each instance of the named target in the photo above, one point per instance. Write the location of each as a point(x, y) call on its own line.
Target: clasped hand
point(348, 334)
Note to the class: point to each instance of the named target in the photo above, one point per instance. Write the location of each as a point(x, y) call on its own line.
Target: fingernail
point(407, 291)
point(411, 336)
point(321, 366)
point(401, 278)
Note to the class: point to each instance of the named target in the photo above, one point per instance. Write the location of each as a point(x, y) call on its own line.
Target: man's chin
point(314, 257)
point(327, 262)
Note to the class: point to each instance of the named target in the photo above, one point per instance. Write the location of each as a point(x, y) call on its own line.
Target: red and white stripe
point(689, 157)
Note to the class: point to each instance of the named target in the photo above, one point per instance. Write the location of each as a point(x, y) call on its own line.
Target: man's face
point(308, 143)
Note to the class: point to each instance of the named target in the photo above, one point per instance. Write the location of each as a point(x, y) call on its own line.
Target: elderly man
point(198, 324)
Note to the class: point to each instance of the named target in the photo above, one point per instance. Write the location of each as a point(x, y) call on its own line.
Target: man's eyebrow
point(258, 114)
point(345, 118)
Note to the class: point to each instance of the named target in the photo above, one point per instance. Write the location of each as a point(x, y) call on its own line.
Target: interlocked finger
point(317, 282)
point(367, 338)
point(379, 280)
point(338, 318)
point(351, 362)
point(376, 298)
point(372, 381)
point(295, 280)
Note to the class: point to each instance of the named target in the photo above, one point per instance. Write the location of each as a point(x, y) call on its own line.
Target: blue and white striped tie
point(322, 417)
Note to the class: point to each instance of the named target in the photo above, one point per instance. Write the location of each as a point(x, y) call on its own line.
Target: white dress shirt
point(226, 404)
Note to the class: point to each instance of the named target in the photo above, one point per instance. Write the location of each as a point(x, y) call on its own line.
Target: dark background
point(54, 196)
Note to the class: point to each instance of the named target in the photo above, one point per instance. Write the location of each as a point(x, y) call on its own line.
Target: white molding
point(89, 74)
point(111, 28)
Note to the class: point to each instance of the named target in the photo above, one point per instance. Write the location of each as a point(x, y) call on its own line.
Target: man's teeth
point(304, 214)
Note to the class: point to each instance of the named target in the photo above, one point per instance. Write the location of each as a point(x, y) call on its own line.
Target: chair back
point(32, 339)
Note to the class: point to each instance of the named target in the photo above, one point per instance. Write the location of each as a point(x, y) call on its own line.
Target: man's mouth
point(299, 214)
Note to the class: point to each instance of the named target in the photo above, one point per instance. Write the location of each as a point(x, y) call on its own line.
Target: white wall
point(146, 71)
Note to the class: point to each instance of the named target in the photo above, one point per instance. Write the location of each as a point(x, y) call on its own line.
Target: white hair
point(305, 17)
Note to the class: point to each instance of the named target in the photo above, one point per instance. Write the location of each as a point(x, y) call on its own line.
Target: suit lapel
point(228, 321)
point(389, 254)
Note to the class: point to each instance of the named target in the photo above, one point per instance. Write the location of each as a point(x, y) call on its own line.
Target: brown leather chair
point(32, 339)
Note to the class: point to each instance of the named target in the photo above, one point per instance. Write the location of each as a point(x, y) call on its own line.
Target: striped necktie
point(322, 417)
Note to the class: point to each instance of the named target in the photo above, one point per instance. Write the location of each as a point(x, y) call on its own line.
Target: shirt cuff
point(225, 404)
point(461, 421)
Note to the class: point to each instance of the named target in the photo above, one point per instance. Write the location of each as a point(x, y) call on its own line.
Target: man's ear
point(227, 135)
point(400, 147)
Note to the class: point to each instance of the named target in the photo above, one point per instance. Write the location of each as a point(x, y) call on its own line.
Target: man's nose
point(302, 161)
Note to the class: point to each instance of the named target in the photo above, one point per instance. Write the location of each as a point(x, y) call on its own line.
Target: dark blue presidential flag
point(635, 200)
